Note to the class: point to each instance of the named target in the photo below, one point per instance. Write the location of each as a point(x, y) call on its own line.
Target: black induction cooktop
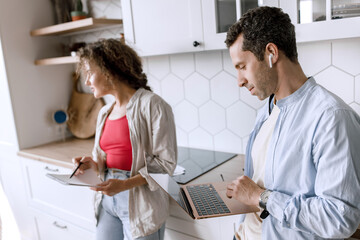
point(199, 161)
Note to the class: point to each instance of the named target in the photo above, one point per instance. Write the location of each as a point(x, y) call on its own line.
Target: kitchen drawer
point(73, 203)
point(53, 228)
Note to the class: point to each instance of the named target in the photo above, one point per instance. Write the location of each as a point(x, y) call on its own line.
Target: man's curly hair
point(261, 26)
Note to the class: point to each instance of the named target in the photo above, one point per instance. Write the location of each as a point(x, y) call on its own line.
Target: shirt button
point(342, 209)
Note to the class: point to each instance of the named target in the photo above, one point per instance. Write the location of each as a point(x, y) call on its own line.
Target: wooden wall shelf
point(78, 26)
point(56, 61)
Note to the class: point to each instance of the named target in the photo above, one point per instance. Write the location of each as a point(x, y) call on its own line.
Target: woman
point(135, 136)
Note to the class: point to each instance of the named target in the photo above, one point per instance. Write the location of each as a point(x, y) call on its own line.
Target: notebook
point(88, 179)
point(202, 200)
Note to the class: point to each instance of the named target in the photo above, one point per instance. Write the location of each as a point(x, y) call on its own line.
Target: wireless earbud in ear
point(270, 60)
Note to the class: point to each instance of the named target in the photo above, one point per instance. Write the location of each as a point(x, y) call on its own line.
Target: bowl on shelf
point(78, 15)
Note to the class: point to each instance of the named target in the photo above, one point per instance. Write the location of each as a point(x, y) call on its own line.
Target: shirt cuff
point(151, 183)
point(276, 205)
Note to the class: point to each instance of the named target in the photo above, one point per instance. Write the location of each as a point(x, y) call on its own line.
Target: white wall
point(28, 95)
point(7, 126)
point(35, 91)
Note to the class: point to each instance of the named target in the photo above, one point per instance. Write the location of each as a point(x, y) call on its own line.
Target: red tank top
point(115, 142)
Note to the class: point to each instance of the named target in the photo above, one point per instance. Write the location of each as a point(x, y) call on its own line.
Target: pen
point(222, 177)
point(76, 168)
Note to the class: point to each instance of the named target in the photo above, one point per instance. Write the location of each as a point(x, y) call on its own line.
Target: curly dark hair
point(117, 59)
point(263, 25)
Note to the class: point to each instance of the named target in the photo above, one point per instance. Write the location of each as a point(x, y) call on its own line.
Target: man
point(303, 157)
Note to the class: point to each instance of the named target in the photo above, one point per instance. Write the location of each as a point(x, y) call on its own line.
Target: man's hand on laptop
point(245, 190)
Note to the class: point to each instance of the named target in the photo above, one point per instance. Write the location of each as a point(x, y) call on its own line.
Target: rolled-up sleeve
point(163, 158)
point(334, 211)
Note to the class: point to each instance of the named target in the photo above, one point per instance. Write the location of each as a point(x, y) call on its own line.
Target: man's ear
point(271, 54)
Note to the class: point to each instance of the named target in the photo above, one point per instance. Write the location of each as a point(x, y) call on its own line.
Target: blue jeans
point(114, 214)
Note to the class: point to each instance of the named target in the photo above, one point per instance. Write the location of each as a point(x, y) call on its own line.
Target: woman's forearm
point(135, 181)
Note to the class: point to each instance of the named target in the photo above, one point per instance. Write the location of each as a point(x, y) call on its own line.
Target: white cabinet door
point(219, 15)
point(53, 228)
point(315, 20)
point(73, 203)
point(156, 27)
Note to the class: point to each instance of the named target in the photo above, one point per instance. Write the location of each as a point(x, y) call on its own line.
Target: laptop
point(198, 161)
point(201, 201)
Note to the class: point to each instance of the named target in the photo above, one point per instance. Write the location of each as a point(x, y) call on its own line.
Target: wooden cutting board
point(83, 110)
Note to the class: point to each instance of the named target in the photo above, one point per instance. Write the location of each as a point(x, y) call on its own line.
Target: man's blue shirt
point(312, 166)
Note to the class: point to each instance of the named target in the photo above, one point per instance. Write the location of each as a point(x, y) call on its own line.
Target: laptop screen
point(199, 161)
point(170, 186)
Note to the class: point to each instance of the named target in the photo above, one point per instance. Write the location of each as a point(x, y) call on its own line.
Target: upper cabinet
point(219, 15)
point(317, 20)
point(155, 27)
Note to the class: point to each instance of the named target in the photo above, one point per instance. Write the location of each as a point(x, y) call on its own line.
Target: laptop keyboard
point(206, 200)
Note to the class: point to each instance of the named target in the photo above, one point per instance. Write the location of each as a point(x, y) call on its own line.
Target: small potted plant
point(78, 12)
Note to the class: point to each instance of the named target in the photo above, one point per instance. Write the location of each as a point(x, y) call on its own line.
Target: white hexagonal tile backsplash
point(208, 63)
point(240, 119)
point(212, 117)
point(197, 89)
point(346, 55)
point(338, 82)
point(356, 107)
point(172, 89)
point(228, 65)
point(228, 141)
point(154, 84)
point(357, 89)
point(199, 138)
point(182, 65)
point(159, 66)
point(314, 57)
point(186, 116)
point(221, 83)
point(213, 87)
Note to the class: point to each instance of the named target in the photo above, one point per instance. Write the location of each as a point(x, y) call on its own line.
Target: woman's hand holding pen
point(86, 163)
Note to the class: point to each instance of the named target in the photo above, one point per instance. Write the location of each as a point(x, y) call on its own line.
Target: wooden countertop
point(60, 153)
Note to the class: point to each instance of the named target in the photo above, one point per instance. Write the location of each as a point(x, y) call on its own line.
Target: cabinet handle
point(51, 169)
point(59, 226)
point(196, 43)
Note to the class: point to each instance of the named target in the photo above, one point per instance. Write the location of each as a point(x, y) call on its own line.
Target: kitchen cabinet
point(51, 227)
point(60, 211)
point(155, 27)
point(318, 20)
point(70, 28)
point(219, 15)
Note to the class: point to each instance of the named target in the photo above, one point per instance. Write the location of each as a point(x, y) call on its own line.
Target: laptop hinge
point(187, 204)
